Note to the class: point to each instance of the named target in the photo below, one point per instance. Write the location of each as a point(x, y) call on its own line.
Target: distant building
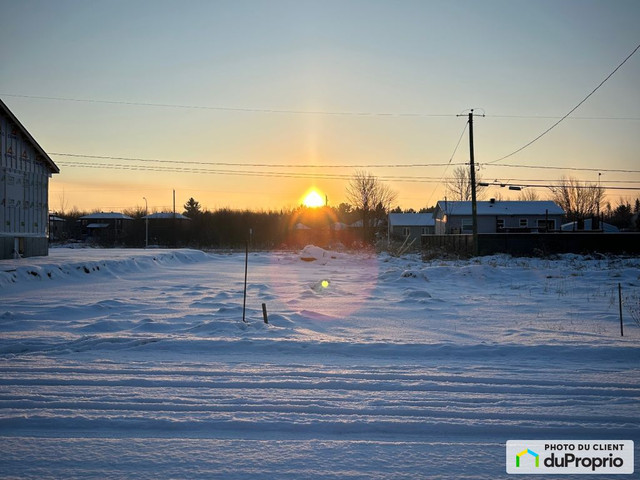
point(56, 228)
point(497, 216)
point(105, 227)
point(588, 225)
point(411, 225)
point(166, 216)
point(165, 228)
point(25, 169)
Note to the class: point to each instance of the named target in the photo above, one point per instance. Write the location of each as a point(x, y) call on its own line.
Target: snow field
point(395, 369)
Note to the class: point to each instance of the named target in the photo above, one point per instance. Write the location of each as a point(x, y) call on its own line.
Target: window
point(467, 225)
point(524, 223)
point(499, 223)
point(424, 230)
point(544, 225)
point(406, 231)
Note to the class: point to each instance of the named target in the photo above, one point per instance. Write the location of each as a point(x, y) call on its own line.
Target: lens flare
point(305, 287)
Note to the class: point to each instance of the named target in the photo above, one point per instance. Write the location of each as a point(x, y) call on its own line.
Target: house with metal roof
point(410, 225)
point(25, 169)
point(497, 216)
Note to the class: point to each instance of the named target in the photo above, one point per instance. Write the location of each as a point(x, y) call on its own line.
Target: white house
point(412, 225)
point(497, 216)
point(25, 169)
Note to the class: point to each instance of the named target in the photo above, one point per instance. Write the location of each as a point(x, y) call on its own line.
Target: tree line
point(228, 228)
point(359, 222)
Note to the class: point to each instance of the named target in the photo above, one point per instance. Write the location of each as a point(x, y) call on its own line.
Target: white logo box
point(597, 457)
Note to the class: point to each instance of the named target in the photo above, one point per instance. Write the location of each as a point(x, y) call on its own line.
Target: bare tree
point(528, 195)
point(578, 199)
point(459, 185)
point(370, 197)
point(64, 204)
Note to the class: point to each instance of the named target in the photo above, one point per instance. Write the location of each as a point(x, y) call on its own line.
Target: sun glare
point(313, 199)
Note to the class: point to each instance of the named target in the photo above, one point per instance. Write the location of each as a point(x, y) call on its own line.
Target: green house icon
point(530, 452)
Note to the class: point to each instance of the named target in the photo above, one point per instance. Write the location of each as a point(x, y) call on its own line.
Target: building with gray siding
point(411, 225)
point(496, 216)
point(25, 169)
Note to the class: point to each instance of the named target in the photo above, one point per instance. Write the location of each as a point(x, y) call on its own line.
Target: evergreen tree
point(192, 208)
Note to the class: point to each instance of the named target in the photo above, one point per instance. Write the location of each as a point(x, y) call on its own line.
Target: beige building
point(25, 169)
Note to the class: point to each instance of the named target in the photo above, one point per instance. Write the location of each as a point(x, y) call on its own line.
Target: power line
point(450, 160)
point(570, 111)
point(230, 109)
point(249, 164)
point(559, 185)
point(555, 167)
point(297, 112)
point(549, 117)
point(344, 165)
point(396, 178)
point(157, 168)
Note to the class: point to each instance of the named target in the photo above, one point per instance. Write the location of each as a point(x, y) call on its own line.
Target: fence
point(535, 243)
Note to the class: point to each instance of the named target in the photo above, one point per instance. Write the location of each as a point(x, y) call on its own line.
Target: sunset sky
point(248, 104)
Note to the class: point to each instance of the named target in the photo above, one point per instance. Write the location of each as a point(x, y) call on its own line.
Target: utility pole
point(146, 223)
point(472, 180)
point(474, 203)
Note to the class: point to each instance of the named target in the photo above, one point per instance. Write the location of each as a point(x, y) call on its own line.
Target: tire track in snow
point(213, 400)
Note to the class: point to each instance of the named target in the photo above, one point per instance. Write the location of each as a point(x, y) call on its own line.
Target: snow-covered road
point(136, 364)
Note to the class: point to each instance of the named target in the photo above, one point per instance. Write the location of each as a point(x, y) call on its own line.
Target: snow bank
point(311, 253)
point(62, 264)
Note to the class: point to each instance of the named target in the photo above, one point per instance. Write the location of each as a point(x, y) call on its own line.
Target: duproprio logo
point(567, 457)
point(530, 452)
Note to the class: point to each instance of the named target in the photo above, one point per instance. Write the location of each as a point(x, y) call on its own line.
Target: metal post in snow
point(620, 304)
point(246, 263)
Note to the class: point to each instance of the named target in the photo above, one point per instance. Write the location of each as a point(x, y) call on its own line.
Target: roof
point(372, 223)
point(573, 226)
point(501, 208)
point(47, 159)
point(106, 216)
point(166, 215)
point(411, 219)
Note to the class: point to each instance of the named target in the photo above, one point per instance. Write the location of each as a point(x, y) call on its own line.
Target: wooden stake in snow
point(620, 304)
point(264, 313)
point(246, 264)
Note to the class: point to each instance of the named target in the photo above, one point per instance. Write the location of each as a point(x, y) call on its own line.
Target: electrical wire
point(450, 160)
point(560, 184)
point(570, 111)
point(555, 167)
point(296, 112)
point(396, 178)
point(230, 109)
point(344, 165)
point(263, 165)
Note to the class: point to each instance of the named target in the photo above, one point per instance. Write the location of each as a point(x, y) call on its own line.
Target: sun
point(313, 199)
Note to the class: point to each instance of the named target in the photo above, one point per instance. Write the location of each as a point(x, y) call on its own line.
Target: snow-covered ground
point(136, 364)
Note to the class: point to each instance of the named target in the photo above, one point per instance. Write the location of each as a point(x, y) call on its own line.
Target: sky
point(249, 104)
